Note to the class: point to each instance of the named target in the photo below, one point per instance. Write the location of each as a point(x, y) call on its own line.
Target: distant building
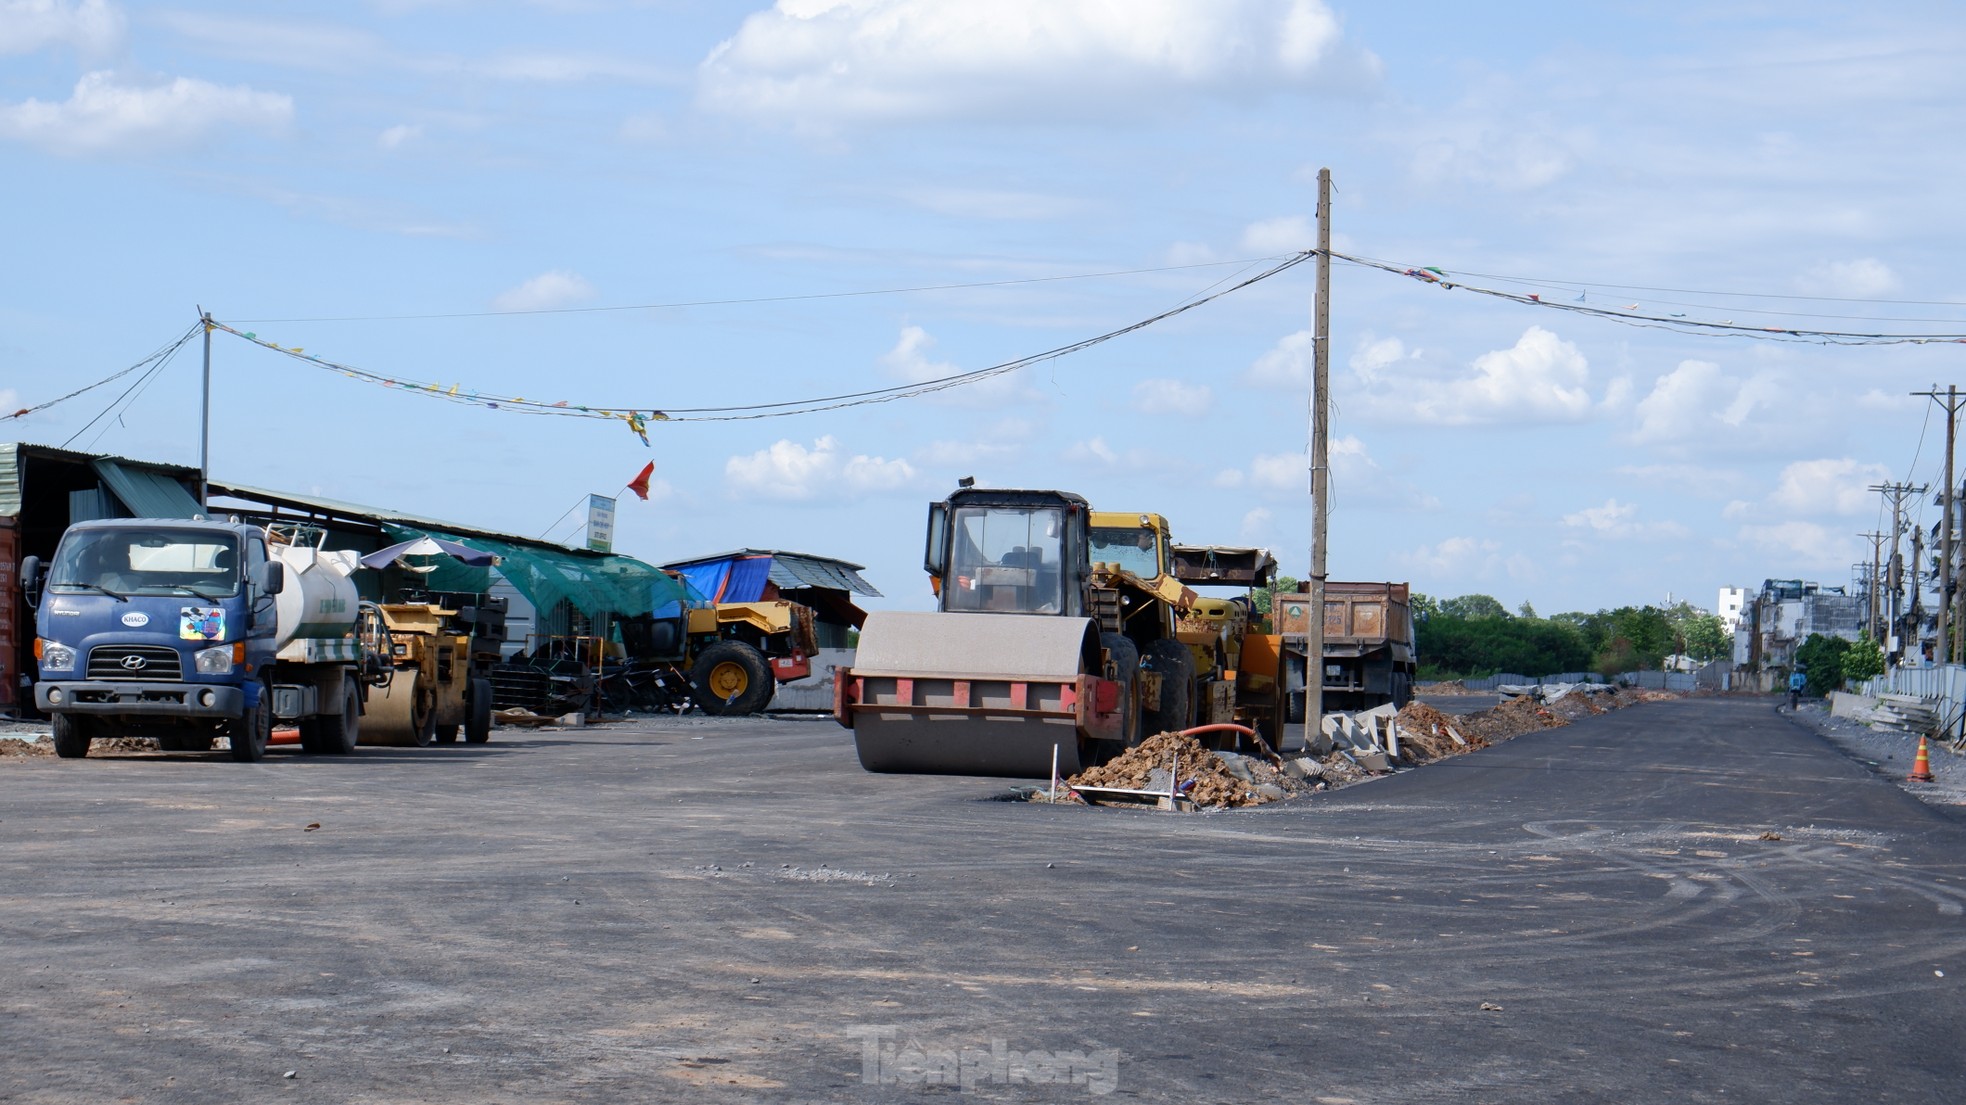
point(1786, 612)
point(1733, 602)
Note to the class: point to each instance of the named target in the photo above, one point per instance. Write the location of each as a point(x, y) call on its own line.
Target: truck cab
point(154, 627)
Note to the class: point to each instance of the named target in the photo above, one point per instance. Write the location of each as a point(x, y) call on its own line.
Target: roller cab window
point(1006, 559)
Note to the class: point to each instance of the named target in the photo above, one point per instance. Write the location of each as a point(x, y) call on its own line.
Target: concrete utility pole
point(1320, 464)
point(1875, 592)
point(1948, 574)
point(1894, 584)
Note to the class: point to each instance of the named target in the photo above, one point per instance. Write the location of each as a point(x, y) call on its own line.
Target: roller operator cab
point(191, 630)
point(1008, 552)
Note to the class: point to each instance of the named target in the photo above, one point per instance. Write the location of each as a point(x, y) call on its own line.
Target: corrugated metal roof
point(377, 515)
point(793, 569)
point(147, 492)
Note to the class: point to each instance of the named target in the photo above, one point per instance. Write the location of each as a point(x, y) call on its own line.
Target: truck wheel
point(1176, 666)
point(251, 733)
point(72, 736)
point(478, 711)
point(731, 677)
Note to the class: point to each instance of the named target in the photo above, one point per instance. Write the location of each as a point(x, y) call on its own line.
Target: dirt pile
point(1424, 734)
point(1449, 687)
point(19, 748)
point(1204, 778)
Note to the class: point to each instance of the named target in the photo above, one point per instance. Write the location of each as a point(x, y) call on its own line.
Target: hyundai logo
point(134, 663)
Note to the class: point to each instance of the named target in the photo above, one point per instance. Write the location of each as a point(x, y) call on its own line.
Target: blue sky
point(336, 177)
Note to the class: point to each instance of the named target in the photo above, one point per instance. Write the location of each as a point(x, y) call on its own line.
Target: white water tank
point(319, 599)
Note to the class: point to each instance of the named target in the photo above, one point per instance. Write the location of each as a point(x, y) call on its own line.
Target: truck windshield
point(1131, 549)
point(141, 561)
point(1006, 559)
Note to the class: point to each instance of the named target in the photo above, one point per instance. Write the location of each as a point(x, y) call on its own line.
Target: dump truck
point(1369, 658)
point(1023, 664)
point(191, 630)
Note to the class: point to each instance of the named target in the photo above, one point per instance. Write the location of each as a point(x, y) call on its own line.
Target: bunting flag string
point(1636, 314)
point(639, 417)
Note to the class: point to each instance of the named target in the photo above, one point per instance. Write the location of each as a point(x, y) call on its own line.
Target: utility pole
point(1948, 575)
point(1320, 464)
point(1894, 583)
point(1875, 591)
point(205, 420)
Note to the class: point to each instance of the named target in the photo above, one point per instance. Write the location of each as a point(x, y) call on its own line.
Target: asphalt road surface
point(1694, 901)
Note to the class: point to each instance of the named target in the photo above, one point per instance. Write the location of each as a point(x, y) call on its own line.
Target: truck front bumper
point(205, 700)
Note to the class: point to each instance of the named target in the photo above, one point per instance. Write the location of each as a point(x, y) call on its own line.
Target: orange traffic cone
point(1921, 768)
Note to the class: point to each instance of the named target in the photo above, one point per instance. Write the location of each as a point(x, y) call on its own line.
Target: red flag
point(640, 484)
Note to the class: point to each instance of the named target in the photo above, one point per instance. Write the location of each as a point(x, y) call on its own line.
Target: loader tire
point(731, 677)
point(1176, 666)
point(1126, 664)
point(72, 735)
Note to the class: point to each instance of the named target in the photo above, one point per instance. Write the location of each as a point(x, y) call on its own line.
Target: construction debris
point(1200, 777)
point(10, 746)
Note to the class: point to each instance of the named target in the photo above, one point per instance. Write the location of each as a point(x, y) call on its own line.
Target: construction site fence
point(1490, 682)
point(1945, 684)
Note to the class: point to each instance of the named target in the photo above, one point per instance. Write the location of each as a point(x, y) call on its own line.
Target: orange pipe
point(1216, 728)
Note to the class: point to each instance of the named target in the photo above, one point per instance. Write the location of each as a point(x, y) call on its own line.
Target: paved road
point(733, 911)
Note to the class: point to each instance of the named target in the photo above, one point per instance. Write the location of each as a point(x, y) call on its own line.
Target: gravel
point(1892, 754)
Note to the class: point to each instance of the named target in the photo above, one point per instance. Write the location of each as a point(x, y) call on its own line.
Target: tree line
point(1475, 635)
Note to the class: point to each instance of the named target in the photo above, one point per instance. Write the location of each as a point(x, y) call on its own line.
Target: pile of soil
point(1214, 785)
point(18, 748)
point(1448, 687)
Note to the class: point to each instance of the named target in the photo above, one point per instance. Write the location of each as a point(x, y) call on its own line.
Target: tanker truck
point(191, 630)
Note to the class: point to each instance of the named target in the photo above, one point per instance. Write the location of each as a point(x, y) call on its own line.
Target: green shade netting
point(595, 584)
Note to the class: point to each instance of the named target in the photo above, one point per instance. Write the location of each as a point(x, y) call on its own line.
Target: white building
point(1732, 604)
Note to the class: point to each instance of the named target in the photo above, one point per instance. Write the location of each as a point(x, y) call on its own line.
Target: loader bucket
point(975, 694)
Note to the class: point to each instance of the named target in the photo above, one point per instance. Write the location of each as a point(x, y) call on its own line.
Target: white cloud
point(1229, 479)
point(1285, 472)
point(1514, 152)
point(1094, 449)
point(909, 361)
point(827, 61)
point(977, 203)
point(1466, 555)
point(1802, 546)
point(398, 136)
point(1172, 397)
point(1258, 527)
point(1619, 521)
point(1863, 278)
point(91, 26)
point(1007, 438)
point(105, 115)
point(1840, 486)
point(788, 470)
point(1542, 378)
point(1287, 364)
point(1288, 234)
point(1375, 355)
point(1698, 401)
point(545, 292)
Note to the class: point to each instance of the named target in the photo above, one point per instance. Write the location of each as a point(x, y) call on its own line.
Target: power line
point(680, 304)
point(637, 421)
point(164, 351)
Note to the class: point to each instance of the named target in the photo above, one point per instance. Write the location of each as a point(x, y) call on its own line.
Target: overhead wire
point(748, 300)
point(166, 350)
point(750, 411)
point(1630, 315)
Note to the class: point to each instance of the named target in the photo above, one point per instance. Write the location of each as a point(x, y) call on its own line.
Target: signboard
point(600, 523)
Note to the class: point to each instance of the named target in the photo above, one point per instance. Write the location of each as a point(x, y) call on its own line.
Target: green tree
point(1282, 585)
point(1469, 607)
point(1525, 610)
point(1706, 637)
point(1864, 660)
point(1820, 659)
